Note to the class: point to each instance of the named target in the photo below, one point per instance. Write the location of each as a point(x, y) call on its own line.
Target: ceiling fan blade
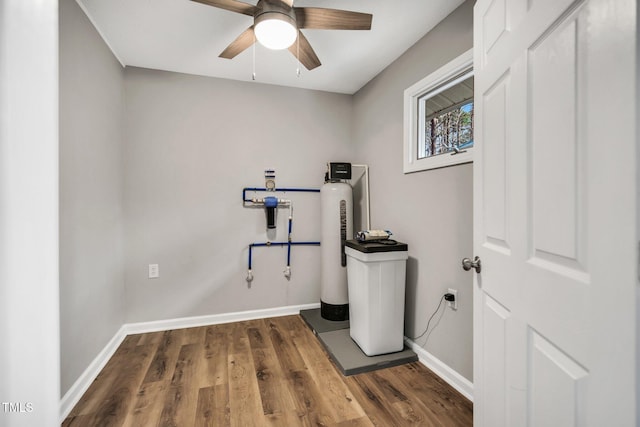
point(242, 42)
point(332, 19)
point(232, 5)
point(288, 2)
point(307, 56)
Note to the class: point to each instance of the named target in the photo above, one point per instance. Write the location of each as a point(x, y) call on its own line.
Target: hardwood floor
point(267, 372)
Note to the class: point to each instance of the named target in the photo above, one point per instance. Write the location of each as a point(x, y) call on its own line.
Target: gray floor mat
point(345, 353)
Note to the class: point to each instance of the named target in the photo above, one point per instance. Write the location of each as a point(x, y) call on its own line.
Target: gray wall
point(91, 268)
point(430, 210)
point(192, 144)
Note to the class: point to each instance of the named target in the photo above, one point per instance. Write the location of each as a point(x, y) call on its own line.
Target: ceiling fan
point(277, 24)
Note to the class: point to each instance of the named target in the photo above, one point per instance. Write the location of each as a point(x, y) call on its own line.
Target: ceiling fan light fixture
point(275, 30)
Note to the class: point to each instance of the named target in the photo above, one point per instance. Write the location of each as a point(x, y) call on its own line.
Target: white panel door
point(555, 213)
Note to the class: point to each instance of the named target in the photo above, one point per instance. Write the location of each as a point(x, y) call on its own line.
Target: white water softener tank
point(336, 199)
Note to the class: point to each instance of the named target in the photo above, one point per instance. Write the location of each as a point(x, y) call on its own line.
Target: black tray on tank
point(373, 246)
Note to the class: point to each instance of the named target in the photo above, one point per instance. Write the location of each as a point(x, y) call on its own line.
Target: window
point(439, 117)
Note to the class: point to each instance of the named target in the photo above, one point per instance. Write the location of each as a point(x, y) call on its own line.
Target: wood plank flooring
point(267, 372)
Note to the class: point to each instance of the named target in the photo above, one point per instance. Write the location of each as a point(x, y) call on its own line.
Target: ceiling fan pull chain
point(298, 54)
point(253, 74)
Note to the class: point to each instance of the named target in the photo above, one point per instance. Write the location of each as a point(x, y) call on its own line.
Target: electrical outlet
point(154, 271)
point(453, 305)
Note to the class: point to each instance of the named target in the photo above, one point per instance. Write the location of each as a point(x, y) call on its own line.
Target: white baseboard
point(441, 369)
point(214, 319)
point(73, 395)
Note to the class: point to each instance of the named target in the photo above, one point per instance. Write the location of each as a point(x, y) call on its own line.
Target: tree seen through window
point(449, 131)
point(447, 119)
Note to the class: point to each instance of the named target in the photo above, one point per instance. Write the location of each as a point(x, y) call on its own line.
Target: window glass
point(448, 120)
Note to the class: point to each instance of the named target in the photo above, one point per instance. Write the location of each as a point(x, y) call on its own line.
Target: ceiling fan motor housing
point(275, 10)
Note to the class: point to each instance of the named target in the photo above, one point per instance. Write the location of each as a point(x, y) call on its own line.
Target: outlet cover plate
point(154, 271)
point(453, 305)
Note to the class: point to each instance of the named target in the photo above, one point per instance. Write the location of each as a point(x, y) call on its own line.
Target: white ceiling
point(187, 37)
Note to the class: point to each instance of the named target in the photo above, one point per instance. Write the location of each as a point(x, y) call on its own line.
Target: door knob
point(467, 264)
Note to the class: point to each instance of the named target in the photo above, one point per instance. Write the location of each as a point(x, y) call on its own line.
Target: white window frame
point(435, 82)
